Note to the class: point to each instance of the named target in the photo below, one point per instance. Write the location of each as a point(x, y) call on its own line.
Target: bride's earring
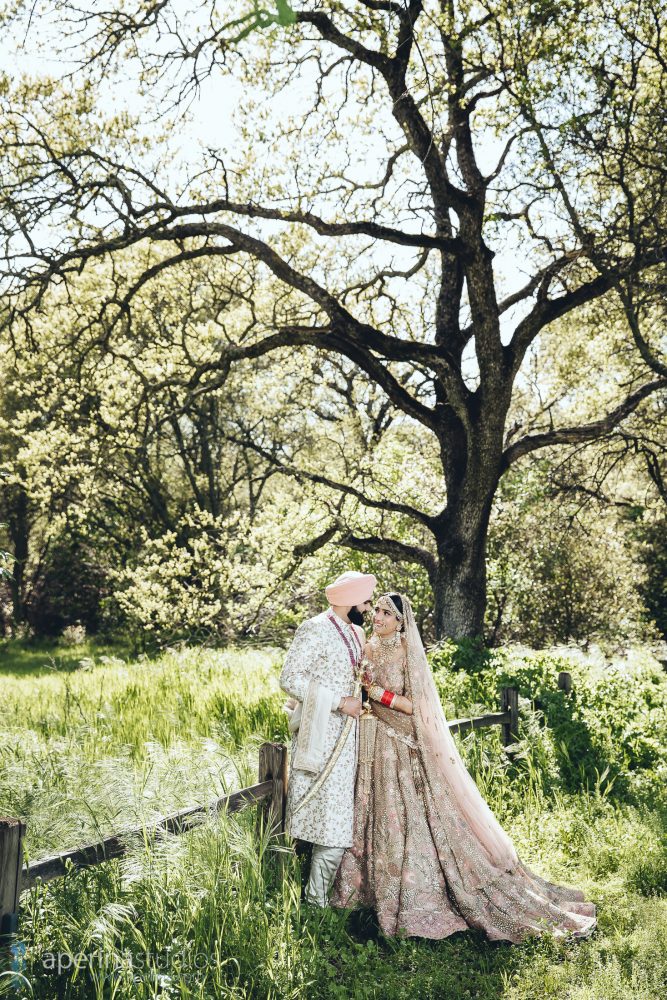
point(397, 637)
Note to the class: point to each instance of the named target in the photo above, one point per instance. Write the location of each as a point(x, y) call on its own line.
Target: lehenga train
point(428, 856)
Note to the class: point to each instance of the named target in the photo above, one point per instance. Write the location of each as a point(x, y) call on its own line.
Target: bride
point(428, 854)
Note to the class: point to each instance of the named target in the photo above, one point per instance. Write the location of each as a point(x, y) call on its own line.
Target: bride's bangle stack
point(379, 694)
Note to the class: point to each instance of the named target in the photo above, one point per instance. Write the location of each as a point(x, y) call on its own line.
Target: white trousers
point(323, 868)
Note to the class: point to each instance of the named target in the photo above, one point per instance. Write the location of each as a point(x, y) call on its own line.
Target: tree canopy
point(370, 223)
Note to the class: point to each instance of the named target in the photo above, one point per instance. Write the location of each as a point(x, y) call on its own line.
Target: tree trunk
point(471, 466)
point(460, 586)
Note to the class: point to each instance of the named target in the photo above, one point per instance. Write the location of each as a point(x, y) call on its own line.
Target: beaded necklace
point(353, 652)
point(383, 649)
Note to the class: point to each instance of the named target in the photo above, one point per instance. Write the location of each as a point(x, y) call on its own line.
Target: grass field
point(91, 742)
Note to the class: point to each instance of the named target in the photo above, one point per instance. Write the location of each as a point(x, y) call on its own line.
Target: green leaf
point(285, 13)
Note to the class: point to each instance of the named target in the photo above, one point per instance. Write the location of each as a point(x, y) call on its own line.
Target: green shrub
point(614, 722)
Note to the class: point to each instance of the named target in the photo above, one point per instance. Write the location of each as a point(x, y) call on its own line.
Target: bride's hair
point(396, 598)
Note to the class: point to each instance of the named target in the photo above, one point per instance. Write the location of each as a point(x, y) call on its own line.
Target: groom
point(319, 674)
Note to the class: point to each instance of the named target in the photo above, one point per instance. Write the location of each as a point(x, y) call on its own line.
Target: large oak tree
point(432, 134)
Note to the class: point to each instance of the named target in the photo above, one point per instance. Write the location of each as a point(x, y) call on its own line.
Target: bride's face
point(384, 622)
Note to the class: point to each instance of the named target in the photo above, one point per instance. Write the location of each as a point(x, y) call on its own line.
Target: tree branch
point(366, 338)
point(653, 362)
point(546, 310)
point(302, 474)
point(375, 230)
point(399, 551)
point(404, 108)
point(583, 432)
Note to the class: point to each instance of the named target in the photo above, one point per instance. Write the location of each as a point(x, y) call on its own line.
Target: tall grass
point(204, 914)
point(87, 751)
point(108, 701)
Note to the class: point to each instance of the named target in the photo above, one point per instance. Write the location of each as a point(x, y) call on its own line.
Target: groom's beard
point(356, 616)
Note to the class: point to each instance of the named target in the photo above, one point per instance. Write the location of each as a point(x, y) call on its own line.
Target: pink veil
point(449, 780)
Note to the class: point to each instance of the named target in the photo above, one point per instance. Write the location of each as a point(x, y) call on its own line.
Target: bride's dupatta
point(449, 781)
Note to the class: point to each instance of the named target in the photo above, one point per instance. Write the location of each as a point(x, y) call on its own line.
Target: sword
point(335, 754)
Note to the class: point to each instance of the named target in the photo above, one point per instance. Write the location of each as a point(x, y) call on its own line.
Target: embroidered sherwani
point(321, 655)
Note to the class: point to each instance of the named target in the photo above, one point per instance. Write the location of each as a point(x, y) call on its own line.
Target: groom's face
point(356, 614)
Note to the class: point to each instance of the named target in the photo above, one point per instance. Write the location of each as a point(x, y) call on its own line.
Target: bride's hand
point(402, 704)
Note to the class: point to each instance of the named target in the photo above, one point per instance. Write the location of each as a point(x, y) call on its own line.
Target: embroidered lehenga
point(428, 855)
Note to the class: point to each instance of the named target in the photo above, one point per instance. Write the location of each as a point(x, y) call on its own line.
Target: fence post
point(11, 862)
point(273, 767)
point(510, 703)
point(565, 681)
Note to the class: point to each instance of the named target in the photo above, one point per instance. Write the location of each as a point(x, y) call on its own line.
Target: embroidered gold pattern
point(417, 863)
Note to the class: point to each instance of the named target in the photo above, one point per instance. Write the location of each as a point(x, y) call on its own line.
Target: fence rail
point(269, 793)
point(117, 845)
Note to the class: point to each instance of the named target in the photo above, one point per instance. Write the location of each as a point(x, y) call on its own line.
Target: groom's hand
point(350, 706)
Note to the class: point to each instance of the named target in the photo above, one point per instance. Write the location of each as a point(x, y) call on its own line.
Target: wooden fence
point(270, 793)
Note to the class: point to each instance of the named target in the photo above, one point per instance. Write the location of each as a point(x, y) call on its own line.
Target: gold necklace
point(384, 649)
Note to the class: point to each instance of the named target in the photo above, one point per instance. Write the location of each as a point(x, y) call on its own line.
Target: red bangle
point(387, 698)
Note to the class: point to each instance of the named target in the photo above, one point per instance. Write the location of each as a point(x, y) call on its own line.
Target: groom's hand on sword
point(350, 706)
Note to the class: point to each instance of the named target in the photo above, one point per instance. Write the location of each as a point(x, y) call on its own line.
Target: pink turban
point(351, 588)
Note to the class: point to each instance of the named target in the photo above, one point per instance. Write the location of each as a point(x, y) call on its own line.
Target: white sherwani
point(318, 652)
